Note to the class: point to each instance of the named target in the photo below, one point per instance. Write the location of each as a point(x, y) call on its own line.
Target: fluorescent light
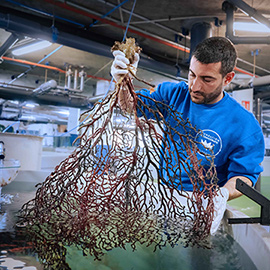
point(31, 47)
point(28, 117)
point(251, 27)
point(64, 112)
point(30, 105)
point(14, 102)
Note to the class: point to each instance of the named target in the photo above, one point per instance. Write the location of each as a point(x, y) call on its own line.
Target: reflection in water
point(5, 198)
point(17, 253)
point(10, 264)
point(225, 254)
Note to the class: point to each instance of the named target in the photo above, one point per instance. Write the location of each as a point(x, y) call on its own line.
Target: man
point(233, 133)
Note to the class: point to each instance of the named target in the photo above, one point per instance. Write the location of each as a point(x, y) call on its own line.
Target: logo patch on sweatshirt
point(209, 142)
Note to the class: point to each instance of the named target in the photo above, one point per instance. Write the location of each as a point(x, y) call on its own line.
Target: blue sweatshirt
point(231, 132)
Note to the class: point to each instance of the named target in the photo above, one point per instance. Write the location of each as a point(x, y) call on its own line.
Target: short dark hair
point(217, 49)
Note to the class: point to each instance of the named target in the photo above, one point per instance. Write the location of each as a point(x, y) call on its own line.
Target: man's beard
point(206, 98)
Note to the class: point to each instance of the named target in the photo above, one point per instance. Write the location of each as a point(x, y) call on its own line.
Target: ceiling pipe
point(86, 13)
point(48, 67)
point(255, 83)
point(244, 72)
point(229, 8)
point(250, 64)
point(144, 19)
point(33, 64)
point(20, 25)
point(261, 81)
point(96, 16)
point(199, 32)
point(45, 87)
point(252, 12)
point(14, 23)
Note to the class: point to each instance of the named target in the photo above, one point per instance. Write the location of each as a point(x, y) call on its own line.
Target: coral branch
point(123, 184)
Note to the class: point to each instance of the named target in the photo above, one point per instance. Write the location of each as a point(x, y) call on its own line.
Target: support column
point(259, 118)
point(73, 123)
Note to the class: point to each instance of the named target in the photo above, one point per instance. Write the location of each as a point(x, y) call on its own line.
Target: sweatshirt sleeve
point(246, 158)
point(152, 104)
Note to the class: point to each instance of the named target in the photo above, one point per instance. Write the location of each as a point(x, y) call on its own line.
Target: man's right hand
point(119, 69)
point(120, 65)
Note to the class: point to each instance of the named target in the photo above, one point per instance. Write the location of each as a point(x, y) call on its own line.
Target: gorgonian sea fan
point(113, 190)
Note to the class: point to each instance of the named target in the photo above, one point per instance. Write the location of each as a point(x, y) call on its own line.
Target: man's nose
point(196, 84)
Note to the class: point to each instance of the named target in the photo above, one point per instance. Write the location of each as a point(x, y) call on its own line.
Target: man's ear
point(228, 78)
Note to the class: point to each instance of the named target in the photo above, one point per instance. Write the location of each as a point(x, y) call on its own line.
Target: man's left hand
point(220, 201)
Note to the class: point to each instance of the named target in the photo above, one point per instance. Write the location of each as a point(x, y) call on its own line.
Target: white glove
point(120, 65)
point(220, 201)
point(118, 71)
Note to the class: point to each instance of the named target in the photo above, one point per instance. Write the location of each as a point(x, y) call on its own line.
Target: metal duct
point(16, 24)
point(34, 29)
point(53, 98)
point(199, 32)
point(45, 87)
point(229, 9)
point(260, 81)
point(252, 12)
point(255, 83)
point(8, 43)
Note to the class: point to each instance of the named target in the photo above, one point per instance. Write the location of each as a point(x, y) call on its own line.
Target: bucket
point(25, 148)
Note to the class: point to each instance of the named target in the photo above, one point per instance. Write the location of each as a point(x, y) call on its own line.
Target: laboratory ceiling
point(83, 31)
